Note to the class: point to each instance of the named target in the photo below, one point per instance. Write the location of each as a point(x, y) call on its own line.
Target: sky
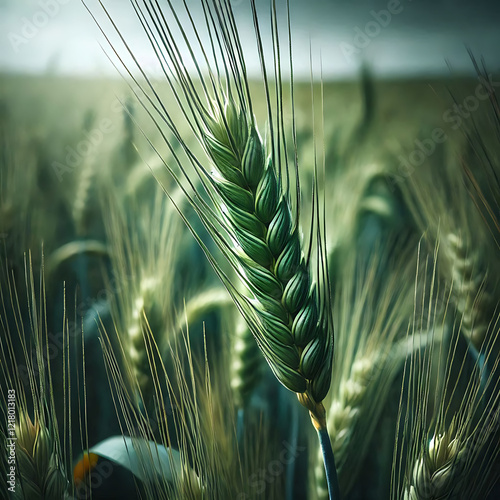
point(397, 38)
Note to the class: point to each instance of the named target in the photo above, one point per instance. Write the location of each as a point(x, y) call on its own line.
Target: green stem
point(329, 461)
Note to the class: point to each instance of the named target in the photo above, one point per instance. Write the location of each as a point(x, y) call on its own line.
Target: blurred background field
point(109, 306)
point(66, 131)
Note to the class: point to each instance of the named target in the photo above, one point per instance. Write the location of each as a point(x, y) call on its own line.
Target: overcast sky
point(397, 38)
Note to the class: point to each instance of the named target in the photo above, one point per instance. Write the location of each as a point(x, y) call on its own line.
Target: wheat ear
point(143, 253)
point(286, 313)
point(450, 461)
point(40, 459)
point(145, 319)
point(249, 210)
point(83, 198)
point(438, 471)
point(482, 167)
point(40, 468)
point(471, 300)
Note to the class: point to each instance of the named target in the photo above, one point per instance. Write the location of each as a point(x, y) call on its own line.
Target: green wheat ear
point(287, 313)
point(251, 212)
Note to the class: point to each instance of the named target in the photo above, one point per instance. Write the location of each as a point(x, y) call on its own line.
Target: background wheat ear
point(480, 163)
point(41, 459)
point(472, 298)
point(145, 245)
point(373, 304)
point(449, 401)
point(40, 467)
point(438, 194)
point(246, 363)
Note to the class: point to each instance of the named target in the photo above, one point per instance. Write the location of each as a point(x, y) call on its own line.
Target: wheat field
point(195, 267)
